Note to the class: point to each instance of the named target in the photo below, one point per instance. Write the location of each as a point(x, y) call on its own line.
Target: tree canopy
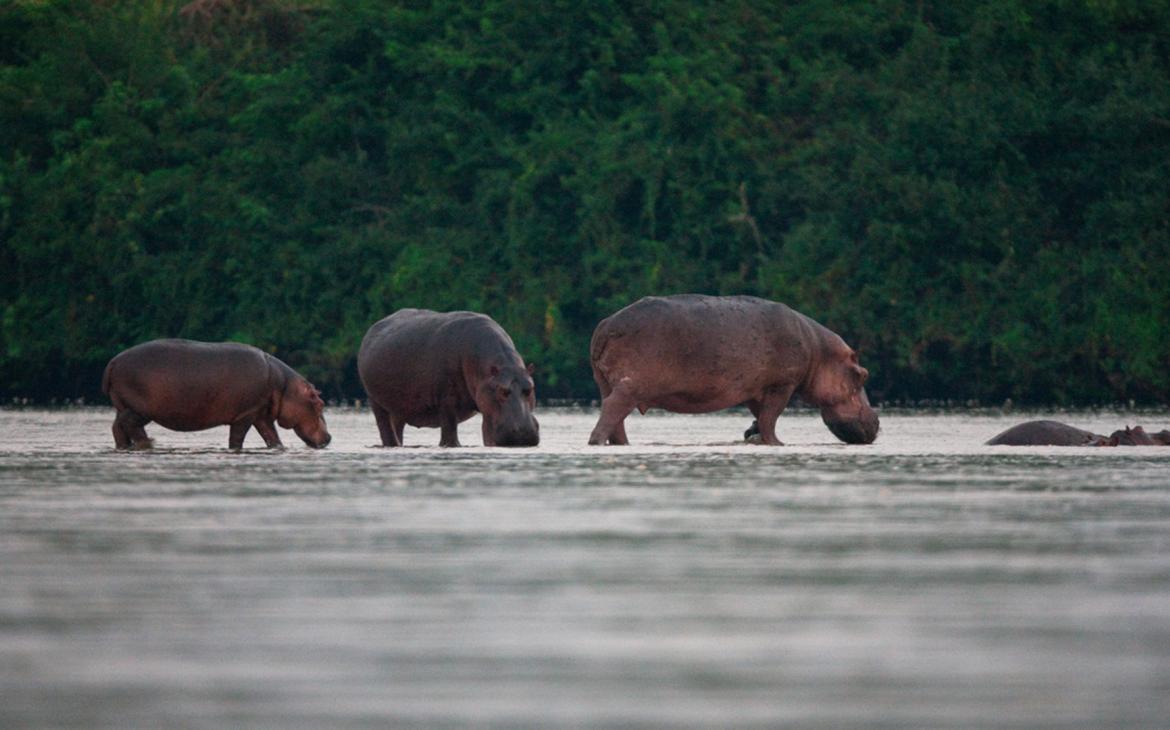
point(974, 195)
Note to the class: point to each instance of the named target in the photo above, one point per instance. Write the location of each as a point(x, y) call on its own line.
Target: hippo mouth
point(856, 431)
point(519, 438)
point(315, 443)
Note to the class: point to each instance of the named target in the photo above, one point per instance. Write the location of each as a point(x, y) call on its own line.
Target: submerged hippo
point(191, 386)
point(1137, 436)
point(1055, 433)
point(437, 369)
point(695, 354)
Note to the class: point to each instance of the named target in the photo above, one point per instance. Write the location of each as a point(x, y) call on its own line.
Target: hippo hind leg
point(130, 430)
point(449, 428)
point(611, 425)
point(239, 430)
point(752, 434)
point(388, 428)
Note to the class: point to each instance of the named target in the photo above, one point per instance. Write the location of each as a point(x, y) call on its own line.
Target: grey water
point(688, 580)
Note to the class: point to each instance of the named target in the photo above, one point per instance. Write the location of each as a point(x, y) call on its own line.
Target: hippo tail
point(601, 339)
point(106, 378)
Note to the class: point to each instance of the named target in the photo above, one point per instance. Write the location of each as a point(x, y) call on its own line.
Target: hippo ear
point(860, 373)
point(310, 393)
point(531, 368)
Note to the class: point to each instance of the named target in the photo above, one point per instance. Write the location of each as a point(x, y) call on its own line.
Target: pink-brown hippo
point(1048, 433)
point(430, 369)
point(1137, 436)
point(1055, 433)
point(185, 385)
point(695, 354)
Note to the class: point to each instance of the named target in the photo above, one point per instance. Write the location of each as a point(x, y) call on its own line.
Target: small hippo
point(1055, 433)
point(1137, 436)
point(430, 369)
point(696, 354)
point(1048, 433)
point(185, 385)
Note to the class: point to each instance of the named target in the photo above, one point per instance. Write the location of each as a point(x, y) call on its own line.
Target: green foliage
point(972, 194)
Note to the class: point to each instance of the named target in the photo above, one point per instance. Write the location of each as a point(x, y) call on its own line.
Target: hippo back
point(1045, 433)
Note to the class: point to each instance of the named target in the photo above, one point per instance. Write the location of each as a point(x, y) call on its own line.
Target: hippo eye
point(505, 392)
point(526, 392)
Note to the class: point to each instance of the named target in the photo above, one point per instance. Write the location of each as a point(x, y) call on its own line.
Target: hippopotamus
point(430, 369)
point(185, 385)
point(692, 353)
point(1055, 433)
point(1137, 436)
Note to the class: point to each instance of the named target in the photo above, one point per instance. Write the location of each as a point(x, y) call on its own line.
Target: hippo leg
point(391, 435)
point(611, 426)
point(752, 434)
point(121, 435)
point(448, 428)
point(129, 430)
point(267, 431)
point(239, 430)
point(767, 411)
point(618, 437)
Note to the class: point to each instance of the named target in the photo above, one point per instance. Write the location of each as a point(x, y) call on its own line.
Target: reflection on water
point(687, 580)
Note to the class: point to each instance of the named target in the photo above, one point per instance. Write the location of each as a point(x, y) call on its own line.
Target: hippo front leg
point(769, 410)
point(268, 432)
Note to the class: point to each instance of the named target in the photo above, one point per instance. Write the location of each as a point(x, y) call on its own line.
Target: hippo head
point(1135, 436)
point(302, 410)
point(838, 387)
point(506, 398)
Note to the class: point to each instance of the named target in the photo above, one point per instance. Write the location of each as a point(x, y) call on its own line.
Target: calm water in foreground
point(685, 581)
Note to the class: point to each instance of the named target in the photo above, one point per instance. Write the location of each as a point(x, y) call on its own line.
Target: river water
point(688, 580)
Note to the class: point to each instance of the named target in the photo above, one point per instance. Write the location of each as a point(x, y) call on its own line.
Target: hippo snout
point(315, 440)
point(863, 430)
point(526, 435)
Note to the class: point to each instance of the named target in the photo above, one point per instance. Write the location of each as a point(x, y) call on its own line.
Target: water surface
point(688, 580)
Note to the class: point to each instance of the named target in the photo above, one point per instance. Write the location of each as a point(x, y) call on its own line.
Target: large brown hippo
point(191, 386)
point(695, 354)
point(1055, 433)
point(431, 369)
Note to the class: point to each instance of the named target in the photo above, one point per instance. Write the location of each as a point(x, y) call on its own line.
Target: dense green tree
point(973, 194)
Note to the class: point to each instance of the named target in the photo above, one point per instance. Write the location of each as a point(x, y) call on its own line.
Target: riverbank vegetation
point(975, 195)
